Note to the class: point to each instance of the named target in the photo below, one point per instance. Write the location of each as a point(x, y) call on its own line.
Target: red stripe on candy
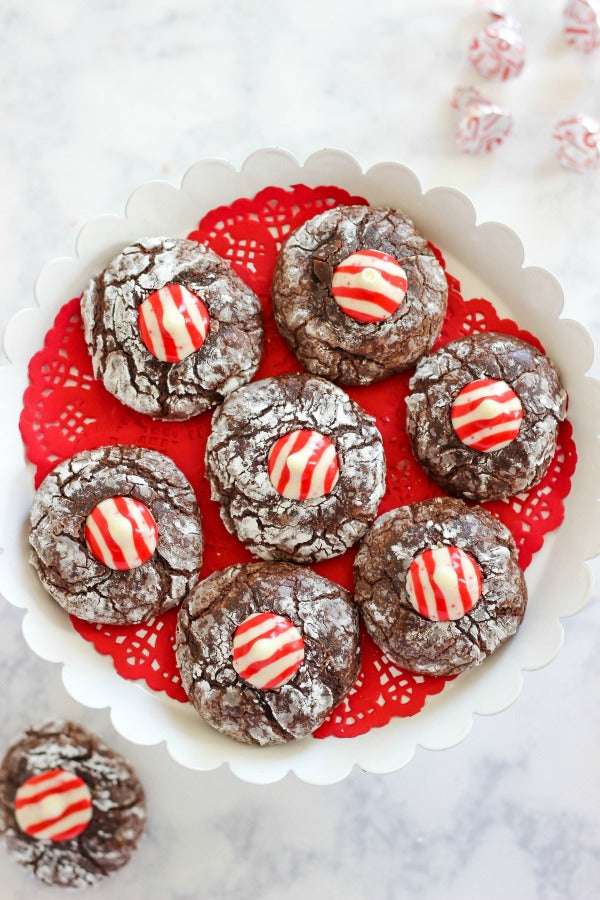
point(141, 547)
point(260, 664)
point(20, 802)
point(395, 280)
point(440, 599)
point(156, 301)
point(301, 440)
point(252, 622)
point(78, 806)
point(45, 776)
point(117, 554)
point(373, 297)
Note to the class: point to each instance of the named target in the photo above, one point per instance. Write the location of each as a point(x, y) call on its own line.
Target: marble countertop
point(101, 96)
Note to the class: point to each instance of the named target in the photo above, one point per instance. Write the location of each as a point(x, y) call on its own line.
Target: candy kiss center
point(490, 408)
point(370, 276)
point(296, 462)
point(262, 648)
point(174, 320)
point(445, 578)
point(120, 528)
point(53, 806)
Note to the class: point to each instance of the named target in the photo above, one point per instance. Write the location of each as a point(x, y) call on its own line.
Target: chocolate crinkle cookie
point(116, 534)
point(171, 328)
point(297, 467)
point(483, 415)
point(439, 586)
point(71, 809)
point(267, 650)
point(358, 294)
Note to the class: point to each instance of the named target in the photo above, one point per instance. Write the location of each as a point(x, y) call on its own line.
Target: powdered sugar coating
point(244, 430)
point(438, 380)
point(381, 569)
point(228, 357)
point(327, 620)
point(73, 576)
point(117, 796)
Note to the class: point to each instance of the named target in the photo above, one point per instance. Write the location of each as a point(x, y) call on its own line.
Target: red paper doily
point(66, 410)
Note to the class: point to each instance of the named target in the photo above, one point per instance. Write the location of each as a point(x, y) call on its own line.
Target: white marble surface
point(100, 96)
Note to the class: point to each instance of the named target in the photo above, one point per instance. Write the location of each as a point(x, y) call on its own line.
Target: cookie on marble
point(267, 650)
point(439, 585)
point(358, 294)
point(483, 415)
point(297, 467)
point(116, 534)
point(171, 328)
point(71, 810)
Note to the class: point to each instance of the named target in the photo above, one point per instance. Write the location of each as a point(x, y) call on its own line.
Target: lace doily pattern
point(66, 410)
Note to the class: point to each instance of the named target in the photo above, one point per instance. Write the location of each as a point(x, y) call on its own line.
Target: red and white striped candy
point(55, 806)
point(303, 465)
point(482, 124)
point(267, 650)
point(486, 415)
point(498, 51)
point(443, 584)
point(578, 139)
point(173, 323)
point(581, 24)
point(121, 533)
point(369, 286)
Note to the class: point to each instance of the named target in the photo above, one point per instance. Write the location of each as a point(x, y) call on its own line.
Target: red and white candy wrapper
point(578, 140)
point(482, 124)
point(497, 52)
point(581, 24)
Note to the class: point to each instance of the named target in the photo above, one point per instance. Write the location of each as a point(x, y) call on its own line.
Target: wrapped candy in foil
point(498, 51)
point(578, 140)
point(482, 124)
point(581, 24)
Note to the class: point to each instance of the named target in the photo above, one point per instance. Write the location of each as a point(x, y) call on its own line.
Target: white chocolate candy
point(173, 323)
point(268, 650)
point(303, 465)
point(55, 805)
point(443, 583)
point(121, 533)
point(486, 415)
point(369, 286)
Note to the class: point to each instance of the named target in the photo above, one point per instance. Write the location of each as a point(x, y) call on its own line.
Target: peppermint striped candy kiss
point(369, 286)
point(486, 415)
point(121, 533)
point(173, 323)
point(268, 650)
point(303, 465)
point(55, 806)
point(443, 583)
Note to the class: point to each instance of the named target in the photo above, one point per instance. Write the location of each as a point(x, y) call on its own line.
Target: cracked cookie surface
point(244, 430)
point(327, 620)
point(326, 340)
point(228, 357)
point(118, 805)
point(439, 378)
point(81, 584)
point(381, 569)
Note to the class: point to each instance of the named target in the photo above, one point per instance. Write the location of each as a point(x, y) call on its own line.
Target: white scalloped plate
point(488, 259)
